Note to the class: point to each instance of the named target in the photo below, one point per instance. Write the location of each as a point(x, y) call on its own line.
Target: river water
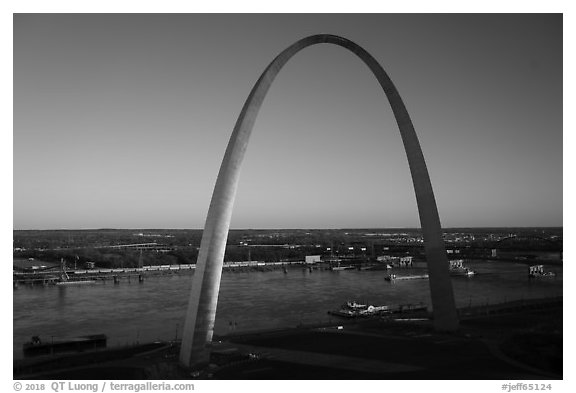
point(154, 310)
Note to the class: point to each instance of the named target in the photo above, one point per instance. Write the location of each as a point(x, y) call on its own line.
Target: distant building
point(396, 261)
point(457, 264)
point(312, 258)
point(405, 262)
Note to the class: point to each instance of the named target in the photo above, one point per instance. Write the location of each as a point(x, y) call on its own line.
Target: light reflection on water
point(155, 310)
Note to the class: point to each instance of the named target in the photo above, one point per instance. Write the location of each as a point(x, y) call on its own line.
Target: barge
point(37, 347)
point(394, 277)
point(355, 310)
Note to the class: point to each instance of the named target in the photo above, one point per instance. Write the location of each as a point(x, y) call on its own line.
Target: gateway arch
point(201, 313)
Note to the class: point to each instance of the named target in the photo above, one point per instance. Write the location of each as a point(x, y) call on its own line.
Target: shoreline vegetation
point(131, 248)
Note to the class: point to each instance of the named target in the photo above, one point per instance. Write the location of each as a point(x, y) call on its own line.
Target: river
point(155, 309)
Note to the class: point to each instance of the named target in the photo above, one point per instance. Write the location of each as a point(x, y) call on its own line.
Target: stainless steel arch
point(200, 317)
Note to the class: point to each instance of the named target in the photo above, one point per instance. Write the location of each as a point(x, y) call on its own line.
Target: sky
point(121, 121)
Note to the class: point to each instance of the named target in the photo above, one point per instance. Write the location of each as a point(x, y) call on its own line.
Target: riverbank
point(504, 341)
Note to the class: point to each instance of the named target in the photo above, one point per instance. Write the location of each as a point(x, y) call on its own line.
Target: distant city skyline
point(121, 121)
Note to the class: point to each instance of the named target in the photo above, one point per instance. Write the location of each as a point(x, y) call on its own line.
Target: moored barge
point(37, 347)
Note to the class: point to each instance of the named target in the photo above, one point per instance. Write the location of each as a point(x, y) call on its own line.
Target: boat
point(394, 277)
point(355, 310)
point(355, 306)
point(78, 282)
point(361, 313)
point(338, 267)
point(37, 347)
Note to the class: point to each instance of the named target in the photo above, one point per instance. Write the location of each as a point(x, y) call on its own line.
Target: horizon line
point(283, 229)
